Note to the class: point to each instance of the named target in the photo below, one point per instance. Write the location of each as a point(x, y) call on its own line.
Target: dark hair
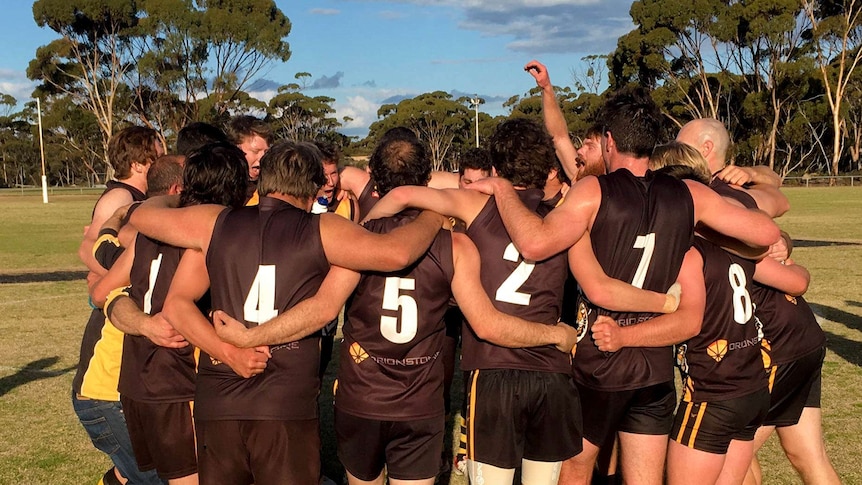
point(197, 134)
point(135, 144)
point(291, 168)
point(475, 159)
point(330, 152)
point(634, 120)
point(242, 127)
point(594, 131)
point(215, 174)
point(399, 160)
point(522, 152)
point(166, 171)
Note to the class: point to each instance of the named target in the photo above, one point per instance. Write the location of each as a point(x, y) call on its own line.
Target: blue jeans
point(106, 425)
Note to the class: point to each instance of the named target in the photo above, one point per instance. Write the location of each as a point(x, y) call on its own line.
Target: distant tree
point(300, 117)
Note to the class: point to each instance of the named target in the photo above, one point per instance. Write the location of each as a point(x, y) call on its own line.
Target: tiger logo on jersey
point(717, 350)
point(357, 353)
point(681, 361)
point(582, 320)
point(791, 299)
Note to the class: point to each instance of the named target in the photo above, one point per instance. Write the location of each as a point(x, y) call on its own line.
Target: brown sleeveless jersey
point(725, 190)
point(532, 290)
point(262, 261)
point(367, 199)
point(724, 360)
point(642, 230)
point(390, 367)
point(789, 324)
point(148, 372)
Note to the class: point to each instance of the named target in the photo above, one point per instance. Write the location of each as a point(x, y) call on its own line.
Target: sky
point(364, 53)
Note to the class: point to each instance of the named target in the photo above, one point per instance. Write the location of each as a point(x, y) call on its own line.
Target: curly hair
point(522, 152)
point(135, 144)
point(215, 174)
point(475, 159)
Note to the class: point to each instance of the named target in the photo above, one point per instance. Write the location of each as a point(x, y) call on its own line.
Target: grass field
point(43, 309)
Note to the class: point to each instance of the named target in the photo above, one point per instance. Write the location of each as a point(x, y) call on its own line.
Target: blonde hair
point(678, 153)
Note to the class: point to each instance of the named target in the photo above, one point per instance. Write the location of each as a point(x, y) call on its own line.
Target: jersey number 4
point(260, 303)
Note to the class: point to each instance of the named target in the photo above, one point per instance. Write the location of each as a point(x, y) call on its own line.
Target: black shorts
point(795, 385)
point(711, 426)
point(410, 450)
point(640, 411)
point(270, 452)
point(163, 437)
point(515, 414)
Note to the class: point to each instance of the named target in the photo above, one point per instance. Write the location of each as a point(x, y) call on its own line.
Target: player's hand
point(569, 339)
point(230, 329)
point(162, 333)
point(539, 73)
point(673, 297)
point(734, 175)
point(606, 334)
point(779, 251)
point(487, 185)
point(247, 362)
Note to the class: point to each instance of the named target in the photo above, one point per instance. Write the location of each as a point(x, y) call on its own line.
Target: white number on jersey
point(508, 291)
point(260, 303)
point(154, 273)
point(741, 299)
point(393, 300)
point(647, 243)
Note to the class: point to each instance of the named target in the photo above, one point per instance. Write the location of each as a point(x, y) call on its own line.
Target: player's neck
point(136, 181)
point(304, 204)
point(636, 165)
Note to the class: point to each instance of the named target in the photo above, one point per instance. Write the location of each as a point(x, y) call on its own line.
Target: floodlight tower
point(475, 102)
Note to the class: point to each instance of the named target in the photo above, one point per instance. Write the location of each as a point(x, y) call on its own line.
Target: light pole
point(475, 102)
point(42, 151)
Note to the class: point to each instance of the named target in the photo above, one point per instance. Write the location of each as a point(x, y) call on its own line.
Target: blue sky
point(363, 53)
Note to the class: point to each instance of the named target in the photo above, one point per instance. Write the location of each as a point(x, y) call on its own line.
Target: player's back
point(263, 260)
point(532, 290)
point(642, 230)
point(724, 360)
point(390, 367)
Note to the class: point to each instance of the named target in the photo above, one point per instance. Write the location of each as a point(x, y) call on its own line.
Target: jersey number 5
point(394, 300)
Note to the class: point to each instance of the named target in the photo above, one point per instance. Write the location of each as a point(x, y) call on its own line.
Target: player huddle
point(222, 294)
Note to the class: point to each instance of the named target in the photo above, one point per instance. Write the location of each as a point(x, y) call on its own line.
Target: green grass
point(41, 325)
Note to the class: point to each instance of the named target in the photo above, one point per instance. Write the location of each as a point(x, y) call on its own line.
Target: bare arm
point(444, 180)
point(190, 283)
point(757, 175)
point(787, 277)
point(116, 277)
point(555, 122)
point(303, 319)
point(537, 238)
point(488, 322)
point(462, 204)
point(751, 227)
point(187, 227)
point(353, 180)
point(129, 319)
point(612, 293)
point(351, 246)
point(105, 208)
point(663, 330)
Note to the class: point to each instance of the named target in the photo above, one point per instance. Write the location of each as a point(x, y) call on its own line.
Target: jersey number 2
point(508, 291)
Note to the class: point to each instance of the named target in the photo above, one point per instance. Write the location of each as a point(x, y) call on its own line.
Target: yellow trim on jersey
point(255, 199)
point(112, 297)
point(103, 371)
point(105, 238)
point(346, 209)
point(772, 372)
point(471, 418)
point(701, 410)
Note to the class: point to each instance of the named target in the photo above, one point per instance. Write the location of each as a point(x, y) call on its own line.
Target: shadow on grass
point(807, 243)
point(848, 349)
point(42, 277)
point(34, 371)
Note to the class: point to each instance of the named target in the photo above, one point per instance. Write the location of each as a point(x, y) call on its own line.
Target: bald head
point(710, 138)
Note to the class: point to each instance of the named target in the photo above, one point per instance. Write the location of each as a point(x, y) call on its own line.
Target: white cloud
point(16, 84)
point(324, 11)
point(361, 109)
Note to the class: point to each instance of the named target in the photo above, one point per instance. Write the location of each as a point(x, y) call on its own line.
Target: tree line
point(781, 74)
